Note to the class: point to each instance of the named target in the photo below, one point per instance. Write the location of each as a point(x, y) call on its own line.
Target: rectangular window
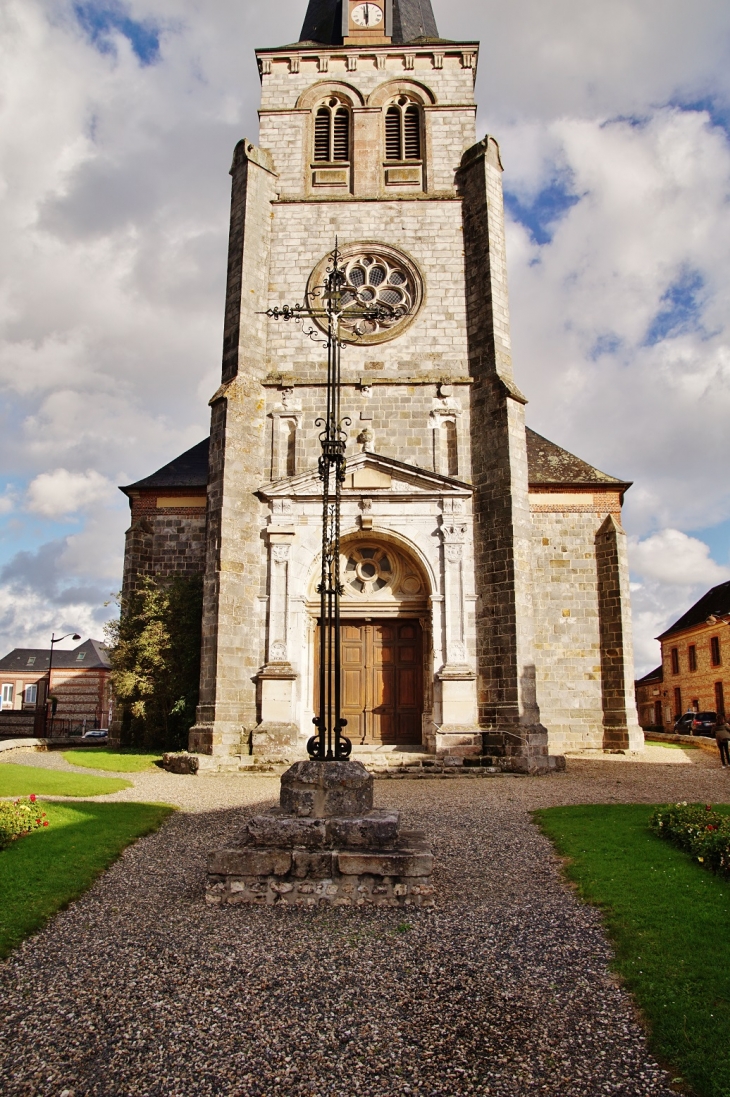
point(719, 700)
point(715, 650)
point(695, 704)
point(80, 657)
point(30, 694)
point(675, 660)
point(692, 653)
point(7, 694)
point(677, 702)
point(31, 661)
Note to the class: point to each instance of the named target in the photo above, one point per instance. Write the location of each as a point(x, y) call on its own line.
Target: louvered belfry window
point(332, 132)
point(403, 130)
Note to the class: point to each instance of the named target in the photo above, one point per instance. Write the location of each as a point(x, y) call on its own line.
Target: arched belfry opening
point(386, 641)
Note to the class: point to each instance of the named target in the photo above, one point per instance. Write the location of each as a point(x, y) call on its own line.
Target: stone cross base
point(324, 844)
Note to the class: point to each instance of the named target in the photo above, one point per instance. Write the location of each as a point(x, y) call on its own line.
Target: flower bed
point(698, 830)
point(19, 818)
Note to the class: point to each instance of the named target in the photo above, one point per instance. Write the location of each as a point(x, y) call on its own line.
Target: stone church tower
point(486, 586)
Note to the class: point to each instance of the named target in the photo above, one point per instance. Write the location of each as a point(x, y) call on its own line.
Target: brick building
point(79, 680)
point(486, 584)
point(696, 658)
point(649, 699)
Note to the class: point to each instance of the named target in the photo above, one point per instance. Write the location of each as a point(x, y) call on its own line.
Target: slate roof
point(656, 675)
point(716, 602)
point(189, 470)
point(94, 651)
point(549, 465)
point(412, 19)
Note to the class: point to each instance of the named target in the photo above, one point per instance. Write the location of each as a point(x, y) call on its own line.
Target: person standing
point(722, 738)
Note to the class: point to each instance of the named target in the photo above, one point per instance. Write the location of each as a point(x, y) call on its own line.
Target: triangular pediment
point(371, 474)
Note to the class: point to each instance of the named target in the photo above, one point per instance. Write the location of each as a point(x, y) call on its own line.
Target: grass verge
point(16, 780)
point(668, 921)
point(42, 873)
point(117, 761)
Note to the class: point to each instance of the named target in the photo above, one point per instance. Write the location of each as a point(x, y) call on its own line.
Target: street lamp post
point(331, 302)
point(55, 640)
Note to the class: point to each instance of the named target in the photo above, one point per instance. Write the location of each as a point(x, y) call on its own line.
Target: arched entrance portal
point(386, 642)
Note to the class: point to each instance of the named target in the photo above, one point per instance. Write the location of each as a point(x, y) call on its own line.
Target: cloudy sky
point(117, 122)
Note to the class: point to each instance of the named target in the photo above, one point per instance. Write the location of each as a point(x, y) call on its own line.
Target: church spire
point(412, 19)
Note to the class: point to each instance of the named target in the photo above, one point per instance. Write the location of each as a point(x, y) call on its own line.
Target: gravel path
point(504, 989)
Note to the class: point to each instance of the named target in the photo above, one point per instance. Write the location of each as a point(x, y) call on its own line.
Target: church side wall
point(163, 542)
point(583, 649)
point(567, 641)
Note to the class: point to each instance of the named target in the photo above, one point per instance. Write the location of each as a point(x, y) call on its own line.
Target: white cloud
point(58, 493)
point(672, 557)
point(113, 221)
point(653, 209)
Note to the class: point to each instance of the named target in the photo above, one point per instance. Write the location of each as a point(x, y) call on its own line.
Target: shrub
point(19, 818)
point(155, 658)
point(698, 830)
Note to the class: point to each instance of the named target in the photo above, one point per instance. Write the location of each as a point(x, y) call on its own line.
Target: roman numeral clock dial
point(367, 15)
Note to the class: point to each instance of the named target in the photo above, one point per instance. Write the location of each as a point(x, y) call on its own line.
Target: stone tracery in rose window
point(374, 280)
point(376, 571)
point(377, 276)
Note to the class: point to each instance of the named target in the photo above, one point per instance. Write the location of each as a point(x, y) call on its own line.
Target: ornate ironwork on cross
point(344, 311)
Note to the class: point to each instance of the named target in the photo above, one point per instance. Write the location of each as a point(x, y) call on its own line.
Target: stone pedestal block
point(275, 741)
point(454, 741)
point(319, 789)
point(324, 844)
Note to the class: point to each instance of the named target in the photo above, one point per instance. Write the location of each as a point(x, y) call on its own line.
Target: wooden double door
point(382, 680)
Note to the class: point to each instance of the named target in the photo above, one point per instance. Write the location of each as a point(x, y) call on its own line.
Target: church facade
point(485, 606)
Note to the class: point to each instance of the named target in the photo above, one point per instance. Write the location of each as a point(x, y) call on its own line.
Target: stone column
point(459, 734)
point(276, 735)
point(621, 729)
point(508, 709)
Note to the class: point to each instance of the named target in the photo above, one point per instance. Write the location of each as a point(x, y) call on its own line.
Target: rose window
point(372, 282)
point(368, 570)
point(377, 277)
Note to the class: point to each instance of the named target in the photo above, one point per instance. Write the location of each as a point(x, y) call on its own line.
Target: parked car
point(696, 723)
point(96, 735)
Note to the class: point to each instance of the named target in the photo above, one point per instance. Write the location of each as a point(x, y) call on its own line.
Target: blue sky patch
point(101, 20)
point(542, 213)
point(605, 344)
point(719, 114)
point(718, 539)
point(681, 306)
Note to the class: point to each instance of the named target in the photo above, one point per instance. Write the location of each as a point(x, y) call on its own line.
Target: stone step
point(388, 764)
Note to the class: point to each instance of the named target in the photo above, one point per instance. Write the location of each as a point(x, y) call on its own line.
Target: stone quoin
point(486, 602)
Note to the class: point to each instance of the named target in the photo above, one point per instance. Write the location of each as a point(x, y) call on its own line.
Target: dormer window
point(332, 133)
point(403, 130)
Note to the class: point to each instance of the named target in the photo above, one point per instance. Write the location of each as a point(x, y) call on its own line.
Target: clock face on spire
point(367, 15)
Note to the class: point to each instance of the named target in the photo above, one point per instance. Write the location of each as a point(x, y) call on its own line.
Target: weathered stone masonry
point(503, 554)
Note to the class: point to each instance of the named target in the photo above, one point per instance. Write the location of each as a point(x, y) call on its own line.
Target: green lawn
point(42, 873)
point(669, 921)
point(118, 761)
point(673, 746)
point(16, 780)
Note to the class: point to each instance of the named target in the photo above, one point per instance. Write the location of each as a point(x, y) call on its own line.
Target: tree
point(155, 658)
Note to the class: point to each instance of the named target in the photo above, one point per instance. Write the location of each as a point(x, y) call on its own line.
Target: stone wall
point(164, 541)
point(502, 525)
point(235, 563)
point(567, 636)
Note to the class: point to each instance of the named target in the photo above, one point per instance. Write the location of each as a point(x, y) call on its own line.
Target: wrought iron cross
point(331, 301)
